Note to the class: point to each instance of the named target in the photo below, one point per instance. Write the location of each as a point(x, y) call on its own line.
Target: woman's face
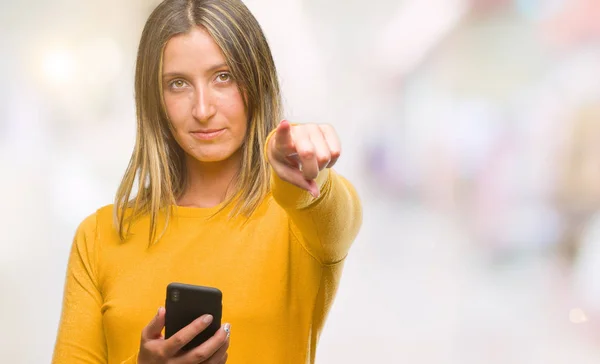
point(202, 99)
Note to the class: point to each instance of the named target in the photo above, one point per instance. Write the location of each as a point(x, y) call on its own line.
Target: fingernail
point(159, 310)
point(207, 319)
point(227, 329)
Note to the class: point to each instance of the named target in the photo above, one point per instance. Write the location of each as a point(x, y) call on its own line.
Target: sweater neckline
point(187, 211)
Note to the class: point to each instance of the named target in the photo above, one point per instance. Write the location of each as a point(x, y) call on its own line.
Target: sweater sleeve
point(325, 226)
point(80, 337)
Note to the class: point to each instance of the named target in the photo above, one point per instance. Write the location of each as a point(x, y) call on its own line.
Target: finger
point(208, 349)
point(185, 335)
point(220, 356)
point(224, 360)
point(154, 329)
point(296, 178)
point(293, 160)
point(306, 153)
point(333, 141)
point(321, 147)
point(284, 141)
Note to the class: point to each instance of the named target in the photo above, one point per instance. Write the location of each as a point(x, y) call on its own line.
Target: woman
point(226, 197)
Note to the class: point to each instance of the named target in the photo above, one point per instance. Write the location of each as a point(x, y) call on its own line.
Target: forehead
point(194, 51)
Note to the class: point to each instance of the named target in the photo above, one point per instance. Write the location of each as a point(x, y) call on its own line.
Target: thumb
point(154, 329)
point(283, 138)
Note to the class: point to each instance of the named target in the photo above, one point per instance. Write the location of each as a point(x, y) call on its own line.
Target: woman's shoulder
point(100, 219)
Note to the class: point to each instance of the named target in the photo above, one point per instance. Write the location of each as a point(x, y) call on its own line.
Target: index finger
point(154, 329)
point(185, 335)
point(284, 141)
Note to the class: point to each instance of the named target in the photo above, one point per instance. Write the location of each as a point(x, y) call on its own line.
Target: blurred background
point(471, 129)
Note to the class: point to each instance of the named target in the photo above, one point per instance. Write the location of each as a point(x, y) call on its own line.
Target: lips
point(207, 134)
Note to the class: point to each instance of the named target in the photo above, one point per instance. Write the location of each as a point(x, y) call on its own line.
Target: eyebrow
point(210, 70)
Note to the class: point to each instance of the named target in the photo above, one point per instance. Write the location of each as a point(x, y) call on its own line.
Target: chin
point(210, 159)
point(215, 156)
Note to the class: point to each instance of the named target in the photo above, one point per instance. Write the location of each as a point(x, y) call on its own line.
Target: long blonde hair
point(157, 165)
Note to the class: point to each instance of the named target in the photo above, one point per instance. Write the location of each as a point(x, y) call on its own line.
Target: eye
point(223, 77)
point(177, 84)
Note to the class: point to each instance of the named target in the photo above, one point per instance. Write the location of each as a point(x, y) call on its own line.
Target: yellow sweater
point(278, 273)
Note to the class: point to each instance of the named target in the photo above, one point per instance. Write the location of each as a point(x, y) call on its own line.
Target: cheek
point(233, 107)
point(176, 110)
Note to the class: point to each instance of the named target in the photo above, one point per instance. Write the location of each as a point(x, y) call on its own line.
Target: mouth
point(207, 134)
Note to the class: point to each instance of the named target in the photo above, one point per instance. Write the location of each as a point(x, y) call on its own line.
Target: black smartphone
point(187, 302)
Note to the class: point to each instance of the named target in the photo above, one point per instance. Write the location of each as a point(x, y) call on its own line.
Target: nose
point(204, 107)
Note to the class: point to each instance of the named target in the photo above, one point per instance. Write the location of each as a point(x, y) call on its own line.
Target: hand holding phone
point(154, 348)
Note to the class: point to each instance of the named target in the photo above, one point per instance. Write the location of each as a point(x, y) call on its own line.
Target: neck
point(209, 183)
